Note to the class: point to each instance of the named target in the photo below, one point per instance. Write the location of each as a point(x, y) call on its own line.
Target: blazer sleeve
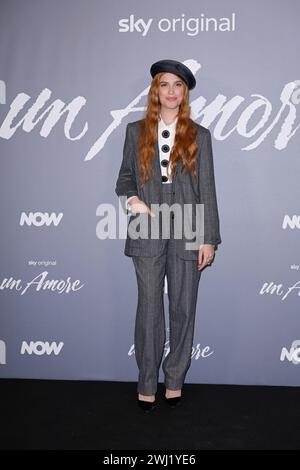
point(207, 190)
point(126, 182)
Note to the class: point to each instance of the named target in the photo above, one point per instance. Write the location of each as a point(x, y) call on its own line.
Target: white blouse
point(166, 135)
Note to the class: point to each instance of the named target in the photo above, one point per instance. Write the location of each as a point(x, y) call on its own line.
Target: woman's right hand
point(137, 205)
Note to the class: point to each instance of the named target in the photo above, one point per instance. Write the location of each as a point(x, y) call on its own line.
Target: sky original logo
point(190, 26)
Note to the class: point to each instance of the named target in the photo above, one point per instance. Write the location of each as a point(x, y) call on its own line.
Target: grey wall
point(70, 57)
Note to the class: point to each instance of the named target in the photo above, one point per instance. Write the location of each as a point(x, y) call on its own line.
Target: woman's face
point(170, 90)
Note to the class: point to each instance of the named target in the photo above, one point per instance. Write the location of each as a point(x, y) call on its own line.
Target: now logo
point(2, 352)
point(2, 92)
point(292, 355)
point(41, 347)
point(291, 222)
point(40, 218)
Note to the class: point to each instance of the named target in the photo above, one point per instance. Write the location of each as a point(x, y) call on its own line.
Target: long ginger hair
point(185, 146)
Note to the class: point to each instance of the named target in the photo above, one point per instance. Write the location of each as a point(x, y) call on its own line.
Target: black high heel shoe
point(147, 406)
point(174, 401)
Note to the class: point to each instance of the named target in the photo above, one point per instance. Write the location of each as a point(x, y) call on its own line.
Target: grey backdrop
point(76, 57)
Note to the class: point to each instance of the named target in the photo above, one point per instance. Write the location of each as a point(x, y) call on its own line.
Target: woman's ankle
point(172, 393)
point(150, 398)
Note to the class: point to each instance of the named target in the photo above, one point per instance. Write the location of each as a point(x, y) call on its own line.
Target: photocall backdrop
point(72, 75)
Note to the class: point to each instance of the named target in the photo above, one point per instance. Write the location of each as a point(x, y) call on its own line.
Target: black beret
point(173, 66)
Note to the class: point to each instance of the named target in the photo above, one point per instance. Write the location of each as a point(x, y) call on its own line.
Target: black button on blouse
point(165, 148)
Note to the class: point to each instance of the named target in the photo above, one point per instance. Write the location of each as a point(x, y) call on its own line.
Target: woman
point(167, 159)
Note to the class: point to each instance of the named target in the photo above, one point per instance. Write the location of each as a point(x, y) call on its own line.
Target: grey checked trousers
point(150, 332)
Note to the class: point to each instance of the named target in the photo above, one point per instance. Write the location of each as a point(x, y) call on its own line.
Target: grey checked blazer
point(186, 190)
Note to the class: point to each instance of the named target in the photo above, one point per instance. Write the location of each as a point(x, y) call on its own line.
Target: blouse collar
point(172, 125)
